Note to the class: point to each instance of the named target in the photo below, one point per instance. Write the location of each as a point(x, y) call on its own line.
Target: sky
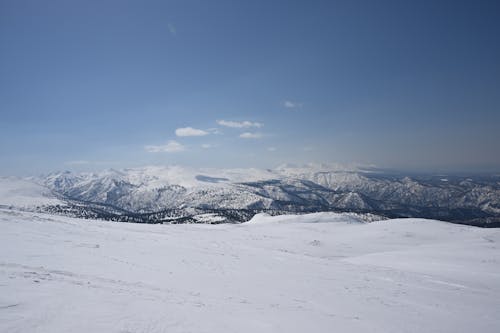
point(89, 85)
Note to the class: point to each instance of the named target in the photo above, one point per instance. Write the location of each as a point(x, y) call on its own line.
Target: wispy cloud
point(78, 162)
point(207, 146)
point(189, 131)
point(170, 147)
point(271, 149)
point(86, 162)
point(239, 124)
point(172, 29)
point(291, 105)
point(248, 135)
point(214, 131)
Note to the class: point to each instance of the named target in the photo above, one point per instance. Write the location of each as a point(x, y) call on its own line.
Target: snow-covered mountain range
point(177, 194)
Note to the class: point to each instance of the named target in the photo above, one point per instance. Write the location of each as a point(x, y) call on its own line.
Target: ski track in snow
point(273, 274)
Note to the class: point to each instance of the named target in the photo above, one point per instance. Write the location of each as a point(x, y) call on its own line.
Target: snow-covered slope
point(313, 273)
point(24, 193)
point(151, 189)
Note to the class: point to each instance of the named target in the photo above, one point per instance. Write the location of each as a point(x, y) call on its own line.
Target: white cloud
point(239, 124)
point(207, 146)
point(292, 105)
point(272, 149)
point(248, 135)
point(170, 147)
point(189, 131)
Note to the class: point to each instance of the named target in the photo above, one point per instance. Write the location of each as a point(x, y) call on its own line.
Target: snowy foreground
point(314, 273)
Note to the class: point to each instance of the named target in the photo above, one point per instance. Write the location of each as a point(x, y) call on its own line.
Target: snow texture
point(24, 193)
point(309, 273)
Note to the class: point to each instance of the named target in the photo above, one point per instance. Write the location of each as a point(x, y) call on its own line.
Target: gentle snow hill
point(322, 217)
point(308, 273)
point(23, 193)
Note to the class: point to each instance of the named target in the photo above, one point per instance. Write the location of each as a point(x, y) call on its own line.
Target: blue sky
point(402, 84)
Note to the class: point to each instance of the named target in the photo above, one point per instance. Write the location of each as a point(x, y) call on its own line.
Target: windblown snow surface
point(23, 193)
point(312, 273)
